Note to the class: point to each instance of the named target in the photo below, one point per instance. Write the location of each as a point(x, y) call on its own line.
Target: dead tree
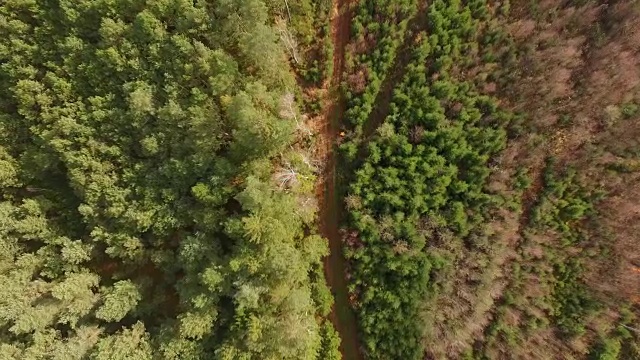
point(288, 177)
point(288, 39)
point(288, 111)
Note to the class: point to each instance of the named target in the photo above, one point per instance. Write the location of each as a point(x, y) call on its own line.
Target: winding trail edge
point(342, 315)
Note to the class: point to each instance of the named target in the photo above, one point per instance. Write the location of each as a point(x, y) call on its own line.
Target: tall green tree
point(140, 218)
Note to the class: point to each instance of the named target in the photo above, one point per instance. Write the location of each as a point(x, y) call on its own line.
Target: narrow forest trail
point(342, 315)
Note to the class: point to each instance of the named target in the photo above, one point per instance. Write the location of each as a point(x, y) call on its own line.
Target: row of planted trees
point(378, 29)
point(422, 179)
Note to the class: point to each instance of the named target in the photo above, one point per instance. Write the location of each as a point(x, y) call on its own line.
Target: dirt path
point(342, 315)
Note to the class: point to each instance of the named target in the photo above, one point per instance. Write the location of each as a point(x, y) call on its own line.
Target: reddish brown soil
point(330, 205)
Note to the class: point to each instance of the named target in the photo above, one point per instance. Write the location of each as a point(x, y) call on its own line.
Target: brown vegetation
point(578, 67)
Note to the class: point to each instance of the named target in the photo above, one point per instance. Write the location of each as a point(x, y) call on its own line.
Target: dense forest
point(153, 204)
point(174, 174)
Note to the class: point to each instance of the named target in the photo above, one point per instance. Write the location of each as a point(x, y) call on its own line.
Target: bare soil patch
point(330, 204)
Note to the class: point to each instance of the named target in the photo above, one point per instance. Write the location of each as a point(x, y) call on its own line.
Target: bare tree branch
point(631, 328)
point(288, 40)
point(288, 111)
point(287, 177)
point(286, 3)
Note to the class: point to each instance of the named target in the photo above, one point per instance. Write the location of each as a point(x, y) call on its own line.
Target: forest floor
point(578, 70)
point(342, 315)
